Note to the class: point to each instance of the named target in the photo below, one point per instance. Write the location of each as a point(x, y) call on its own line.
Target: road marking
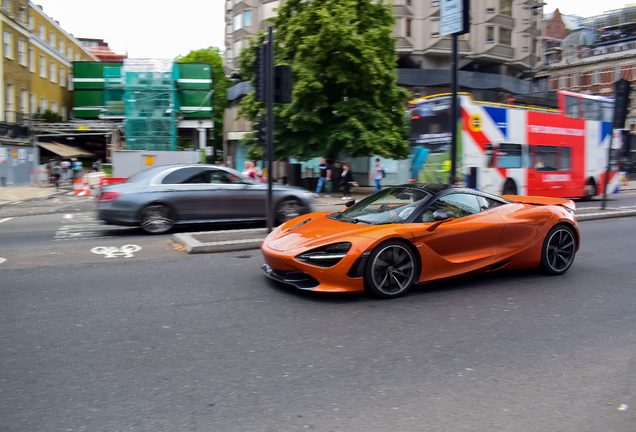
point(126, 251)
point(84, 226)
point(5, 219)
point(68, 216)
point(3, 260)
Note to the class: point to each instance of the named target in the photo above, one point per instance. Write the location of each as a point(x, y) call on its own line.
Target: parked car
point(160, 197)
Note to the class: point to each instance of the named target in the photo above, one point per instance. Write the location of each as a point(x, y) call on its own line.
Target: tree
point(345, 99)
point(220, 84)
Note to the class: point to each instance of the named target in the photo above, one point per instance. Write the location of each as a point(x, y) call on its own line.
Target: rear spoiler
point(541, 201)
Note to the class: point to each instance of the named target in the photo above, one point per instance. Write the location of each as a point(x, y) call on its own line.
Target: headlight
point(325, 256)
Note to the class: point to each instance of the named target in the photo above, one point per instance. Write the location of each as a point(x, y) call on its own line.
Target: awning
point(65, 150)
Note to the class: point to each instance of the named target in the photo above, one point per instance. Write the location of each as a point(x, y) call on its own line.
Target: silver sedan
point(160, 197)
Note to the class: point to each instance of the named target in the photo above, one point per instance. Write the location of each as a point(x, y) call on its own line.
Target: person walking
point(346, 181)
point(378, 175)
point(325, 176)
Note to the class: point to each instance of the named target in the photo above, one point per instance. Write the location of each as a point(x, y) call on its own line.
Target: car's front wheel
point(157, 219)
point(559, 248)
point(289, 209)
point(391, 270)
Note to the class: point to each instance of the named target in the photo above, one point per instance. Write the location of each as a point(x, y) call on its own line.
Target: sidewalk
point(14, 195)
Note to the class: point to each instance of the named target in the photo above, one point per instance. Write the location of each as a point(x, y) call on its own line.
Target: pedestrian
point(325, 176)
point(258, 173)
point(378, 175)
point(56, 171)
point(346, 181)
point(247, 168)
point(66, 170)
point(77, 169)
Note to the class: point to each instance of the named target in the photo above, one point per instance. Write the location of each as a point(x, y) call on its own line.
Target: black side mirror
point(442, 215)
point(350, 203)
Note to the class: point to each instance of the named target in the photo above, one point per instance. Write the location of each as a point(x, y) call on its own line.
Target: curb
point(8, 203)
point(251, 239)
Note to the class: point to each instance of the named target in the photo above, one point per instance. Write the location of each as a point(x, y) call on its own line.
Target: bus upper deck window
point(592, 109)
point(489, 156)
point(571, 107)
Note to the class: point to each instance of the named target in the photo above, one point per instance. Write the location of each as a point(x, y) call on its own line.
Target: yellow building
point(36, 62)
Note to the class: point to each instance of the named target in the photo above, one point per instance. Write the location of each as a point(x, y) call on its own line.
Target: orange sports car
point(419, 233)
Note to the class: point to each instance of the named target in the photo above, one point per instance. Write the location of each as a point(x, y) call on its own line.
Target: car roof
point(431, 188)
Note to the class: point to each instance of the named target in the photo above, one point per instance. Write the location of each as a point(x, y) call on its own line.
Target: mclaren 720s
point(418, 233)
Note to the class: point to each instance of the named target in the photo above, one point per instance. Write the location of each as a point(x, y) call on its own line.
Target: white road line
point(5, 219)
point(2, 260)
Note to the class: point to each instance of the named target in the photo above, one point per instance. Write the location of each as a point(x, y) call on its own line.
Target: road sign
point(454, 17)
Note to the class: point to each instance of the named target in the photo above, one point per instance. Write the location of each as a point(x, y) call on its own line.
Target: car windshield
point(392, 205)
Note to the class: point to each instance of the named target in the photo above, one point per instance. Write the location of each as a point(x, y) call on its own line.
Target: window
point(31, 60)
point(218, 176)
point(505, 36)
point(238, 22)
point(32, 106)
point(77, 56)
point(563, 79)
point(526, 15)
point(526, 43)
point(509, 156)
point(54, 107)
point(575, 80)
point(545, 159)
point(489, 156)
point(42, 32)
point(564, 158)
point(490, 6)
point(434, 3)
point(69, 53)
point(228, 55)
point(596, 77)
point(571, 106)
point(52, 39)
point(9, 108)
point(617, 73)
point(490, 35)
point(460, 205)
point(31, 23)
point(43, 66)
point(186, 176)
point(53, 72)
point(23, 15)
point(505, 7)
point(24, 101)
point(247, 19)
point(607, 111)
point(408, 28)
point(408, 2)
point(22, 55)
point(70, 81)
point(487, 203)
point(62, 77)
point(63, 113)
point(8, 45)
point(60, 46)
point(238, 46)
point(435, 27)
point(44, 105)
point(6, 4)
point(592, 109)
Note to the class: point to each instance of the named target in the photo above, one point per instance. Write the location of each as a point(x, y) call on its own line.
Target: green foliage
point(49, 116)
point(345, 99)
point(221, 83)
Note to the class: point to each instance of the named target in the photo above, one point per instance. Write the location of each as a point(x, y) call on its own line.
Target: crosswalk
point(82, 226)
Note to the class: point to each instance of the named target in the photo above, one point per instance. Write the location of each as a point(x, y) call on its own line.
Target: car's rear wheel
point(157, 219)
point(590, 190)
point(289, 209)
point(559, 248)
point(391, 270)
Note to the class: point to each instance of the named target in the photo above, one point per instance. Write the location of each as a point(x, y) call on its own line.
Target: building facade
point(595, 54)
point(37, 55)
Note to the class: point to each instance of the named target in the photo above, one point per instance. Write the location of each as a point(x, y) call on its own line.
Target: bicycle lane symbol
point(125, 251)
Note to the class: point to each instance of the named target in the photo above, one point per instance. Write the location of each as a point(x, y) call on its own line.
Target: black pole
point(452, 179)
point(607, 173)
point(269, 106)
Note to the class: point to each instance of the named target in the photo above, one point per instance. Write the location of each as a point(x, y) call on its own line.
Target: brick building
point(592, 56)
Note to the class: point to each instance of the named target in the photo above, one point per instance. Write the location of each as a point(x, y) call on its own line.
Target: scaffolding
point(149, 94)
point(113, 92)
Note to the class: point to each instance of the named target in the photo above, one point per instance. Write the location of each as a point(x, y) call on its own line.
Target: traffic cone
point(78, 187)
point(86, 190)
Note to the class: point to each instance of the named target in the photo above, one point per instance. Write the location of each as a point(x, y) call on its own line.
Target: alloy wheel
point(156, 219)
point(289, 209)
point(392, 270)
point(560, 250)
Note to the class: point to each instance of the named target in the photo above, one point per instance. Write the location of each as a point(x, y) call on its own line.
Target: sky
point(168, 28)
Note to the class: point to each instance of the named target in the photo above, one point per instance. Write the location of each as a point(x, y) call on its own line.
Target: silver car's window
point(218, 176)
point(487, 203)
point(190, 175)
point(460, 205)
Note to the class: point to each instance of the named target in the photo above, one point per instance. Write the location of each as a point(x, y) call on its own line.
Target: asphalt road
point(164, 341)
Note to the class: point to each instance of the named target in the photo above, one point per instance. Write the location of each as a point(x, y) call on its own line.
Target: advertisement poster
point(22, 153)
point(3, 154)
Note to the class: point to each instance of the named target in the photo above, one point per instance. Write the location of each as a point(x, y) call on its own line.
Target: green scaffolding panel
point(149, 95)
point(113, 91)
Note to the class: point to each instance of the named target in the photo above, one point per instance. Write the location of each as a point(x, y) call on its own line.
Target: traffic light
point(282, 84)
point(622, 101)
point(260, 128)
point(259, 73)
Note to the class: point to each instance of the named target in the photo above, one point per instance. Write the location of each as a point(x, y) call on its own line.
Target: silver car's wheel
point(289, 209)
point(157, 219)
point(391, 270)
point(559, 249)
